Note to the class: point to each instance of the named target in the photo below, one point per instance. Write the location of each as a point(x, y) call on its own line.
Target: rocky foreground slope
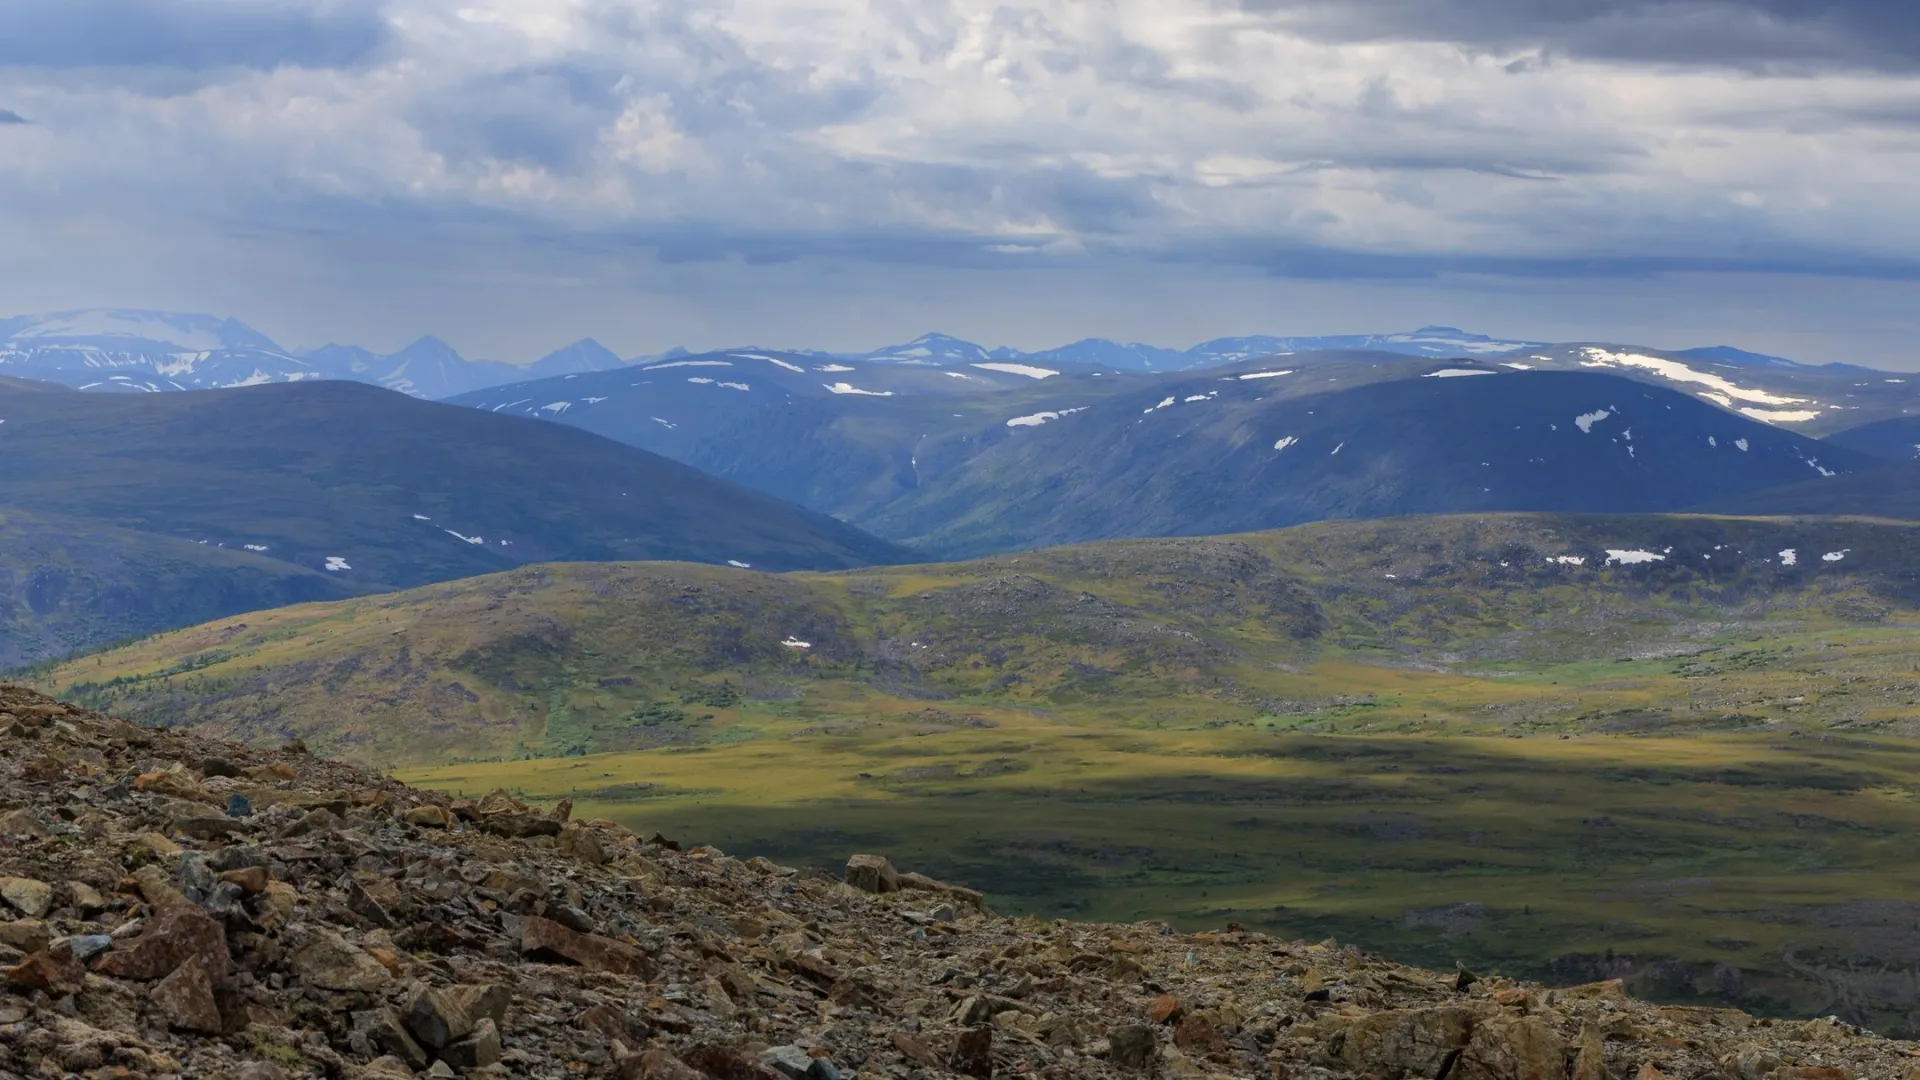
point(175, 906)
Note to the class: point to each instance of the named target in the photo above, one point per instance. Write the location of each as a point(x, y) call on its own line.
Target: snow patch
point(1569, 560)
point(736, 386)
point(795, 643)
point(741, 565)
point(1835, 556)
point(556, 407)
point(1284, 443)
point(254, 547)
point(700, 380)
point(1679, 372)
point(1337, 449)
point(1163, 404)
point(688, 363)
point(1742, 444)
point(592, 400)
point(772, 360)
point(1028, 370)
point(1036, 419)
point(1789, 557)
point(668, 424)
point(468, 539)
point(1456, 373)
point(1781, 416)
point(421, 517)
point(849, 388)
point(1632, 556)
point(1517, 365)
point(335, 564)
point(1265, 374)
point(1585, 421)
point(833, 367)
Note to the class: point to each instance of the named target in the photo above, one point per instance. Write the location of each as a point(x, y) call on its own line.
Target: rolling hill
point(1660, 748)
point(1226, 453)
point(135, 513)
point(562, 659)
point(383, 489)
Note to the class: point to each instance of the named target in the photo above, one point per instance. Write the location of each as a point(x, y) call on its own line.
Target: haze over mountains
point(124, 349)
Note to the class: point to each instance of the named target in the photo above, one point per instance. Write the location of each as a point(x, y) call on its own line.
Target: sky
point(514, 174)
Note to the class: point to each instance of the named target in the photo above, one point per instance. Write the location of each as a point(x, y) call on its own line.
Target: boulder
point(872, 873)
point(973, 1053)
point(544, 939)
point(167, 940)
point(480, 1048)
point(331, 962)
point(1397, 1042)
point(1513, 1048)
point(54, 971)
point(1133, 1046)
point(185, 999)
point(29, 896)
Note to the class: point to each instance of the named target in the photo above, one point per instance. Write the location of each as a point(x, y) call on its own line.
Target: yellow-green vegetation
point(1570, 747)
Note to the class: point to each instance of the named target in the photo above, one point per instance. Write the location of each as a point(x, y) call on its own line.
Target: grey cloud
point(552, 117)
point(8, 116)
point(1747, 34)
point(195, 35)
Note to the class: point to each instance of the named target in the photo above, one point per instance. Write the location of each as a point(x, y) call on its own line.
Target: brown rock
point(175, 781)
point(1810, 1072)
point(972, 1052)
point(915, 1048)
point(1647, 1072)
point(157, 889)
point(613, 1025)
point(428, 817)
point(386, 1067)
point(1133, 1046)
point(1197, 1034)
point(185, 998)
point(872, 873)
point(21, 823)
point(1592, 1062)
point(544, 939)
point(582, 843)
point(30, 896)
point(1400, 1041)
point(167, 940)
point(387, 1035)
point(259, 1070)
point(519, 824)
point(86, 897)
point(27, 935)
point(479, 1049)
point(658, 1065)
point(251, 879)
point(1514, 1048)
point(54, 971)
point(1164, 1009)
point(922, 883)
point(726, 1063)
point(331, 962)
point(437, 1016)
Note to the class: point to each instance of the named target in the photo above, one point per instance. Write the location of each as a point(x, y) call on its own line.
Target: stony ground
point(175, 906)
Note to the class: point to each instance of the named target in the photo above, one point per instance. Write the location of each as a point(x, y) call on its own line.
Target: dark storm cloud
point(1748, 34)
point(189, 34)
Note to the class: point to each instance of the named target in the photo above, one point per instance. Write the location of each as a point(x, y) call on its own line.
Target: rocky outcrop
point(179, 907)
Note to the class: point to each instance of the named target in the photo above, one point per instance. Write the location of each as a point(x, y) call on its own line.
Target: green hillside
point(1475, 738)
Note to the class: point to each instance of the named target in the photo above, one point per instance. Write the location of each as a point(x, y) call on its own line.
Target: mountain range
point(133, 350)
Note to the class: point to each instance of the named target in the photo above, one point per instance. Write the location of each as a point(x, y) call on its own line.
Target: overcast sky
point(512, 174)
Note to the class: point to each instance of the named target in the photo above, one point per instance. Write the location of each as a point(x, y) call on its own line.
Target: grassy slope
point(1695, 772)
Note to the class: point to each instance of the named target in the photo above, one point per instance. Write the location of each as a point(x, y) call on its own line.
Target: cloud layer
point(1369, 139)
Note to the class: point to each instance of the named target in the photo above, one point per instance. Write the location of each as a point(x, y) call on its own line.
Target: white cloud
point(948, 131)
